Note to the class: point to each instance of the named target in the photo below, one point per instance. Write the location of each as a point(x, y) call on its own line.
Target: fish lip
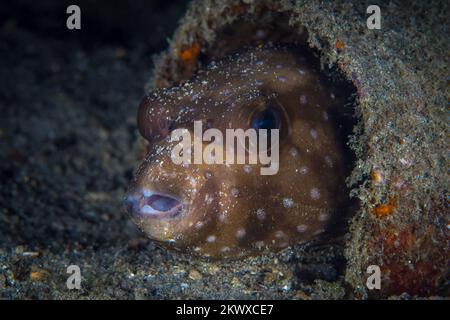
point(139, 204)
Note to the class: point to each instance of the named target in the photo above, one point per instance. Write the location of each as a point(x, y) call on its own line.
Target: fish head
point(215, 205)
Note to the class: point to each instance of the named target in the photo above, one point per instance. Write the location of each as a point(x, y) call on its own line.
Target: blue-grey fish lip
point(138, 204)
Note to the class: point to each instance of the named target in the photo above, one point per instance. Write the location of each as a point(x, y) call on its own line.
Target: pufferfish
point(231, 210)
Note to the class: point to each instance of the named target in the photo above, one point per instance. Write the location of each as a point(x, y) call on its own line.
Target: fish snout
point(159, 200)
point(158, 214)
point(145, 203)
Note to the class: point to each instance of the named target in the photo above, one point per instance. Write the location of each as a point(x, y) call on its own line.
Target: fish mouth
point(154, 205)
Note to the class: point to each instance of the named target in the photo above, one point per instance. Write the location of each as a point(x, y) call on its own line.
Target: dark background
point(68, 100)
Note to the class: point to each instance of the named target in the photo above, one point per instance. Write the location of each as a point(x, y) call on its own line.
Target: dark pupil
point(266, 119)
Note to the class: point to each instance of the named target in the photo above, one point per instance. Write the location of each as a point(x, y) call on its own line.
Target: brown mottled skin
point(233, 210)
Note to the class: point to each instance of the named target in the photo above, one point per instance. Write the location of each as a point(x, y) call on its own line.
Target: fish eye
point(269, 118)
point(268, 114)
point(152, 127)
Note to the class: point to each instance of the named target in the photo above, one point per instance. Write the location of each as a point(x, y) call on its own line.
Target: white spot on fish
point(199, 224)
point(324, 217)
point(304, 170)
point(288, 203)
point(314, 193)
point(211, 239)
point(279, 234)
point(313, 133)
point(261, 214)
point(208, 174)
point(303, 99)
point(328, 161)
point(222, 217)
point(240, 233)
point(302, 228)
point(208, 199)
point(293, 151)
